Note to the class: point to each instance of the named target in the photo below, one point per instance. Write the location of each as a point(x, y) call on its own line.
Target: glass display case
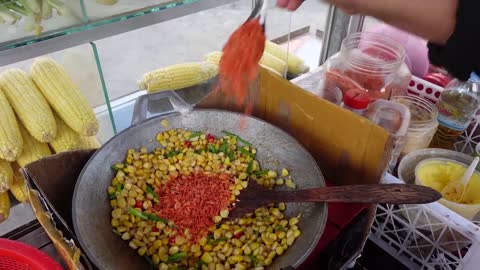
point(106, 49)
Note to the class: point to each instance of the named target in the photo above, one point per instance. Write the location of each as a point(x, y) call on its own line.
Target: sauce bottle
point(457, 105)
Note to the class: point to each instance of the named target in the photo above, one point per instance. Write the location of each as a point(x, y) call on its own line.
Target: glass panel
point(80, 64)
point(101, 9)
point(34, 19)
point(306, 25)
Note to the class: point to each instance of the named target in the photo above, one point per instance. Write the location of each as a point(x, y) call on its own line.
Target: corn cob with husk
point(89, 143)
point(295, 65)
point(67, 139)
point(4, 206)
point(19, 188)
point(178, 76)
point(33, 150)
point(64, 96)
point(11, 143)
point(29, 104)
point(6, 175)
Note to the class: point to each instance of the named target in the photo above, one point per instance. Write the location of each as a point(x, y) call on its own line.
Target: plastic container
point(393, 117)
point(438, 172)
point(16, 255)
point(356, 101)
point(457, 104)
point(369, 62)
point(423, 122)
point(330, 92)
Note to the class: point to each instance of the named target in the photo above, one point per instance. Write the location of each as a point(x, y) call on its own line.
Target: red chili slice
point(210, 138)
point(188, 144)
point(238, 235)
point(155, 229)
point(138, 204)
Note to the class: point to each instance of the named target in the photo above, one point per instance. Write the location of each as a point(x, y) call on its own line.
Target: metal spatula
point(255, 196)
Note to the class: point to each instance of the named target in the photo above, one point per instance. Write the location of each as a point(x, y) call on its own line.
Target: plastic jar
point(372, 63)
point(356, 101)
point(394, 117)
point(423, 122)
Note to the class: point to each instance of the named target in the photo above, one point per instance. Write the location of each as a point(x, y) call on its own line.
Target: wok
point(276, 150)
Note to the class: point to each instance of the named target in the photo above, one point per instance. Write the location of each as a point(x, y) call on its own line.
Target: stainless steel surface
point(406, 168)
point(91, 32)
point(336, 30)
point(276, 149)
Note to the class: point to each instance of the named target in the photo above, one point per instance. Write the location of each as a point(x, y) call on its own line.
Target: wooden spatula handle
point(382, 193)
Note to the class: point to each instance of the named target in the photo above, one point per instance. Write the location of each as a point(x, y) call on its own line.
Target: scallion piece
point(137, 213)
point(152, 191)
point(247, 143)
point(177, 257)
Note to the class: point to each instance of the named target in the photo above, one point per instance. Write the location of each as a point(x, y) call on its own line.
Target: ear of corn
point(11, 142)
point(295, 64)
point(6, 175)
point(89, 143)
point(268, 61)
point(273, 63)
point(4, 206)
point(32, 149)
point(213, 57)
point(19, 188)
point(64, 96)
point(67, 139)
point(178, 76)
point(29, 104)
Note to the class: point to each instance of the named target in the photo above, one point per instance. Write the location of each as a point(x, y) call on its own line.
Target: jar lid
point(356, 99)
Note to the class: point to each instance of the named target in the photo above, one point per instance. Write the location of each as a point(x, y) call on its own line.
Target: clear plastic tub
point(423, 122)
point(372, 63)
point(393, 117)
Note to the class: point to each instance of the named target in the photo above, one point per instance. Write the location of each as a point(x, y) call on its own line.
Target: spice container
point(356, 101)
point(394, 117)
point(423, 122)
point(372, 63)
point(456, 106)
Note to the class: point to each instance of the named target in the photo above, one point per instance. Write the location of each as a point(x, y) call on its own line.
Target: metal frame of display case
point(26, 48)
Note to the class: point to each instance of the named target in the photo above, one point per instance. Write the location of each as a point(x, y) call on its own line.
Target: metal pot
point(276, 150)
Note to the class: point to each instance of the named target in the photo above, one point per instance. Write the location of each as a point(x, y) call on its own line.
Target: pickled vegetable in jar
point(372, 63)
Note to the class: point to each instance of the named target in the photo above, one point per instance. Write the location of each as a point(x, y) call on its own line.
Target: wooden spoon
point(255, 196)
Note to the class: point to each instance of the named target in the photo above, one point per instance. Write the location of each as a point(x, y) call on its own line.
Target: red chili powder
point(192, 201)
point(239, 63)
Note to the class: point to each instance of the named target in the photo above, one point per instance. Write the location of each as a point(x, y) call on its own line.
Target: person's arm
point(431, 19)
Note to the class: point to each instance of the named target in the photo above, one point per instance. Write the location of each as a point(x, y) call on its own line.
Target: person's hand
point(289, 4)
point(349, 6)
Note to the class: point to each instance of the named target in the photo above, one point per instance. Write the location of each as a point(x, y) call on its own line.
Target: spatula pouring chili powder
point(239, 63)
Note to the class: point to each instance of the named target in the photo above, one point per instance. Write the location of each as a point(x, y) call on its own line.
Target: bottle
point(356, 100)
point(456, 107)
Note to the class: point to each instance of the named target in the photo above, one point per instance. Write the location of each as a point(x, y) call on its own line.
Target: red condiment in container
point(356, 100)
point(372, 63)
